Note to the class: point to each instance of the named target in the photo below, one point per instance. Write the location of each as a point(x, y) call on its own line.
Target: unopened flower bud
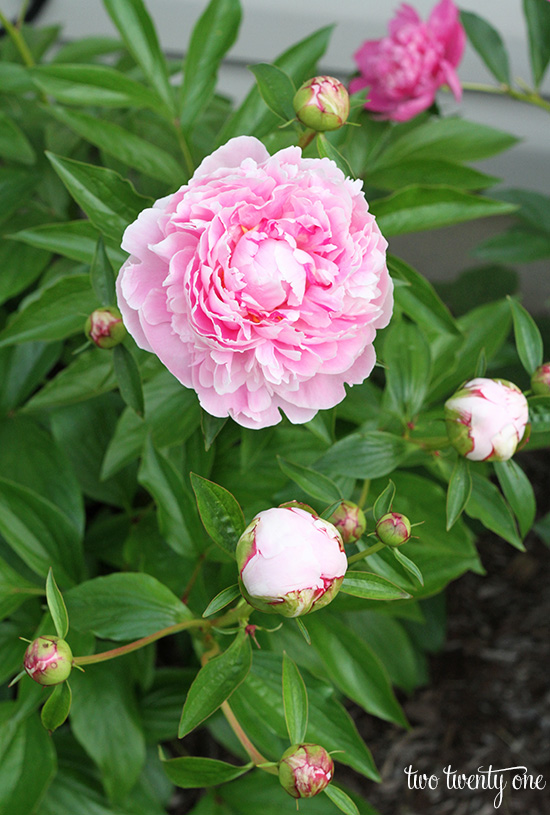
point(322, 103)
point(104, 326)
point(486, 419)
point(290, 561)
point(393, 529)
point(48, 660)
point(349, 519)
point(540, 381)
point(305, 770)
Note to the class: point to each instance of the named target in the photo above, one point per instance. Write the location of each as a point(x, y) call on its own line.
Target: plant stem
point(364, 493)
point(530, 97)
point(18, 40)
point(251, 750)
point(366, 552)
point(306, 138)
point(184, 148)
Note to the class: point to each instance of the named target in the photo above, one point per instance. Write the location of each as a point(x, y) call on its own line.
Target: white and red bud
point(105, 328)
point(322, 103)
point(349, 519)
point(305, 770)
point(48, 660)
point(486, 419)
point(540, 381)
point(393, 529)
point(290, 561)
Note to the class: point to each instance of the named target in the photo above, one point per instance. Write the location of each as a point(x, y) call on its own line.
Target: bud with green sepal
point(105, 328)
point(305, 770)
point(48, 660)
point(349, 519)
point(290, 561)
point(540, 381)
point(322, 103)
point(393, 529)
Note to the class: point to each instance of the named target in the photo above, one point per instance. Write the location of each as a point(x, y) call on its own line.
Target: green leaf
point(174, 505)
point(14, 145)
point(222, 599)
point(96, 85)
point(420, 300)
point(537, 16)
point(294, 701)
point(55, 711)
point(418, 208)
point(519, 244)
point(327, 150)
point(459, 491)
point(109, 201)
point(124, 606)
point(428, 171)
point(121, 143)
point(14, 78)
point(16, 188)
point(22, 369)
point(303, 630)
point(53, 313)
point(89, 375)
point(408, 368)
point(211, 427)
point(354, 668)
point(86, 48)
point(489, 45)
point(528, 338)
point(76, 240)
point(57, 608)
point(341, 799)
point(213, 35)
point(276, 89)
point(14, 591)
point(128, 378)
point(220, 513)
point(194, 772)
point(408, 564)
point(518, 492)
point(315, 484)
point(371, 587)
point(487, 505)
point(21, 265)
point(105, 721)
point(384, 502)
point(215, 682)
point(102, 275)
point(138, 33)
point(364, 455)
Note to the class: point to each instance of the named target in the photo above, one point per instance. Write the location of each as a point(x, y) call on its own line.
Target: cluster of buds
point(290, 561)
point(322, 103)
point(486, 419)
point(48, 660)
point(305, 770)
point(105, 328)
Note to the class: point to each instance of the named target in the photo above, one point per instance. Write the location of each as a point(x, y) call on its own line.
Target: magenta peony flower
point(260, 284)
point(404, 70)
point(486, 419)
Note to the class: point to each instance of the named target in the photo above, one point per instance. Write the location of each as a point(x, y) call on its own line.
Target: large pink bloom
point(260, 284)
point(404, 70)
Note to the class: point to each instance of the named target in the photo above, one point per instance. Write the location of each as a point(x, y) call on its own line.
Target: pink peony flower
point(404, 70)
point(305, 770)
point(48, 660)
point(486, 419)
point(260, 284)
point(290, 561)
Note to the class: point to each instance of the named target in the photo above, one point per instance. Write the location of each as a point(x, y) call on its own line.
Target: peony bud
point(486, 419)
point(290, 561)
point(540, 381)
point(350, 521)
point(305, 770)
point(104, 326)
point(48, 660)
point(393, 529)
point(322, 103)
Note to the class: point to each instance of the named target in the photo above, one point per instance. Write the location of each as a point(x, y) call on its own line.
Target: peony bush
point(244, 446)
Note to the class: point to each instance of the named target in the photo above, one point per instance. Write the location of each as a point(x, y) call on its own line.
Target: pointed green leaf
point(408, 564)
point(220, 513)
point(326, 149)
point(57, 608)
point(57, 707)
point(518, 492)
point(458, 491)
point(215, 683)
point(14, 145)
point(276, 89)
point(194, 772)
point(102, 275)
point(294, 701)
point(487, 505)
point(489, 45)
point(211, 428)
point(76, 240)
point(128, 378)
point(528, 338)
point(313, 483)
point(365, 455)
point(371, 587)
point(222, 599)
point(341, 799)
point(408, 368)
point(537, 15)
point(384, 502)
point(419, 299)
point(303, 630)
